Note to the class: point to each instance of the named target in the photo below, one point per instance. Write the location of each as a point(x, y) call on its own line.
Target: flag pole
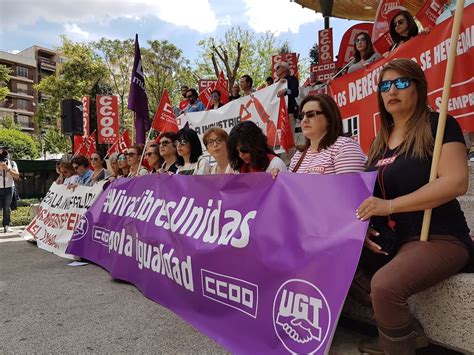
point(448, 76)
point(144, 148)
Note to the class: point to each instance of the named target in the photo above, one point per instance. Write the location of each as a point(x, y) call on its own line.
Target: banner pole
point(444, 110)
point(144, 149)
point(340, 71)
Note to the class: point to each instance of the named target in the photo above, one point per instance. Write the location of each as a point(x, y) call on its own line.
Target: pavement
point(49, 307)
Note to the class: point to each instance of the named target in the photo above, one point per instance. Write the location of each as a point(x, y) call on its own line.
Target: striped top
point(344, 156)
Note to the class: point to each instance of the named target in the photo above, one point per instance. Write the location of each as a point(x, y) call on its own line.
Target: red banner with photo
point(86, 100)
point(290, 58)
point(121, 144)
point(356, 95)
point(107, 119)
point(325, 47)
point(346, 48)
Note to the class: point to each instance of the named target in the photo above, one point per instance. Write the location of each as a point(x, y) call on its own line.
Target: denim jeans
point(6, 200)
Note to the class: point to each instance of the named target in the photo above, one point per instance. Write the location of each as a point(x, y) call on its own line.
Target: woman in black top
point(402, 154)
point(402, 28)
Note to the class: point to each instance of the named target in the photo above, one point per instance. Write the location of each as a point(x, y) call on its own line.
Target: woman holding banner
point(249, 151)
point(215, 140)
point(364, 52)
point(326, 149)
point(189, 148)
point(401, 153)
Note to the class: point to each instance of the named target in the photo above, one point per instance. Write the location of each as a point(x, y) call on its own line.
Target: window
point(23, 120)
point(22, 104)
point(22, 88)
point(351, 126)
point(21, 71)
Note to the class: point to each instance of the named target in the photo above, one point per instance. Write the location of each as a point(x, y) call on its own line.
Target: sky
point(24, 23)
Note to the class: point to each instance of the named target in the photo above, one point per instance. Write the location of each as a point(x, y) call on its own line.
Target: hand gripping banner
point(253, 262)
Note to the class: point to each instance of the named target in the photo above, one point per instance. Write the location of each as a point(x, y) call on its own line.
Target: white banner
point(261, 107)
point(58, 214)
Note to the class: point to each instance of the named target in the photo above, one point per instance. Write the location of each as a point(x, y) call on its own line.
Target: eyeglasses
point(360, 40)
point(94, 159)
point(243, 150)
point(131, 154)
point(310, 114)
point(214, 141)
point(400, 84)
point(165, 143)
point(181, 141)
point(189, 96)
point(398, 23)
point(149, 154)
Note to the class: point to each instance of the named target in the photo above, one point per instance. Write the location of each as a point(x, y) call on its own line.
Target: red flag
point(124, 142)
point(78, 144)
point(430, 12)
point(85, 147)
point(287, 142)
point(165, 120)
point(221, 86)
point(183, 104)
point(205, 95)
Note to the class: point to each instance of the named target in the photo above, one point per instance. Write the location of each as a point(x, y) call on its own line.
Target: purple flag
point(259, 265)
point(137, 99)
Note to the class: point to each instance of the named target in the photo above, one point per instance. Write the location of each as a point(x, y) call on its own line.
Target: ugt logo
point(301, 316)
point(81, 228)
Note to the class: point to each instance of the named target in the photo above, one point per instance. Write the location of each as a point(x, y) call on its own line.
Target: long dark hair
point(196, 148)
point(173, 137)
point(249, 136)
point(370, 47)
point(412, 27)
point(419, 138)
point(333, 117)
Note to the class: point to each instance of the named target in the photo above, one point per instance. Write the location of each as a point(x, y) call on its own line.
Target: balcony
point(47, 64)
point(22, 95)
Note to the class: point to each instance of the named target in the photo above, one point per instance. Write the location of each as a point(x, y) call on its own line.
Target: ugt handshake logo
point(301, 316)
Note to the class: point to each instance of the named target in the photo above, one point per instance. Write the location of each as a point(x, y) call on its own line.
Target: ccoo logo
point(301, 316)
point(81, 228)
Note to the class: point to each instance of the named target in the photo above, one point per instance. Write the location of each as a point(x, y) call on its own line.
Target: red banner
point(86, 100)
point(165, 119)
point(325, 46)
point(430, 12)
point(346, 48)
point(356, 95)
point(283, 125)
point(381, 33)
point(290, 58)
point(121, 144)
point(323, 71)
point(205, 83)
point(221, 84)
point(107, 119)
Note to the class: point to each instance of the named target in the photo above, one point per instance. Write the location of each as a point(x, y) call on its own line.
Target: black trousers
point(5, 202)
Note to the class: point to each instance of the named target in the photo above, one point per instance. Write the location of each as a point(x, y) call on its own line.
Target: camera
point(3, 156)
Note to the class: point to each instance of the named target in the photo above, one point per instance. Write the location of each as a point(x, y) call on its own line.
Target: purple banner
point(257, 264)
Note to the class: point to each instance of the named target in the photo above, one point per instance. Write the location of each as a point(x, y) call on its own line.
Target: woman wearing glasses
point(249, 151)
point(402, 28)
point(99, 173)
point(167, 150)
point(153, 158)
point(326, 149)
point(215, 140)
point(364, 52)
point(402, 154)
point(134, 155)
point(215, 101)
point(124, 168)
point(189, 148)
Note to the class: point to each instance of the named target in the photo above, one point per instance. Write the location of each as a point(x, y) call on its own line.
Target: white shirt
point(228, 170)
point(6, 179)
point(276, 163)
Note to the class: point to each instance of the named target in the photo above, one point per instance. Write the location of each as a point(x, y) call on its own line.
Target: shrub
point(23, 146)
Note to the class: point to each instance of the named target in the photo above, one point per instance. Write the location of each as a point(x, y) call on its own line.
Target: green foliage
point(4, 78)
point(19, 217)
point(55, 142)
point(9, 122)
point(23, 146)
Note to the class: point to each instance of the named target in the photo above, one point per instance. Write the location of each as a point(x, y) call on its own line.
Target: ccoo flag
point(137, 99)
point(165, 119)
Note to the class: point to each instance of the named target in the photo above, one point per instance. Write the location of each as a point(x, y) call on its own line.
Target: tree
point(165, 68)
point(55, 142)
point(4, 79)
point(314, 54)
point(75, 78)
point(285, 48)
point(22, 144)
point(9, 122)
point(237, 53)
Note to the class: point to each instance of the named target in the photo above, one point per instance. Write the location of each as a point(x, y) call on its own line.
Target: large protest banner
point(253, 262)
point(59, 212)
point(356, 93)
point(261, 107)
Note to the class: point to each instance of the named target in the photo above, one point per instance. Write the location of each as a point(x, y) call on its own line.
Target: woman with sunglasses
point(326, 149)
point(401, 154)
point(402, 28)
point(169, 153)
point(134, 155)
point(124, 168)
point(215, 140)
point(364, 52)
point(215, 101)
point(189, 148)
point(152, 157)
point(249, 151)
point(98, 164)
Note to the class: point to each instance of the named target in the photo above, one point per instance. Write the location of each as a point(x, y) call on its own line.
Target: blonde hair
point(418, 139)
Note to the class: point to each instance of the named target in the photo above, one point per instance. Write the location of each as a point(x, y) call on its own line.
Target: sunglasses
point(243, 150)
point(400, 84)
point(149, 154)
point(130, 154)
point(122, 158)
point(214, 141)
point(398, 23)
point(165, 143)
point(310, 114)
point(181, 141)
point(94, 159)
point(360, 40)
